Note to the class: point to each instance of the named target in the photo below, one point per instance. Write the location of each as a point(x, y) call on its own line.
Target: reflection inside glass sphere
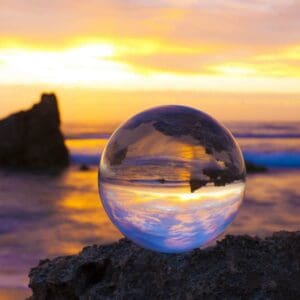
point(172, 178)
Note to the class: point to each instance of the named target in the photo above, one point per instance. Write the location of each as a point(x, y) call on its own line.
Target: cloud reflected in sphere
point(172, 178)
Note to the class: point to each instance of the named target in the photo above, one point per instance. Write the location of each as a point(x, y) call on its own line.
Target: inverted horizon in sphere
point(172, 178)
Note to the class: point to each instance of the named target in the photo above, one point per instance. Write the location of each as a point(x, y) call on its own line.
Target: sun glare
point(234, 70)
point(87, 65)
point(109, 65)
point(94, 50)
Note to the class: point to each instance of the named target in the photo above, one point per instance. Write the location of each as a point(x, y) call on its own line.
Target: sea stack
point(32, 139)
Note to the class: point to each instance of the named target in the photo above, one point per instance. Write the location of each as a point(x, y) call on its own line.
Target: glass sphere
point(172, 178)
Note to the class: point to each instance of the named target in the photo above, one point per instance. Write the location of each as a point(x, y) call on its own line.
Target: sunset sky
point(105, 60)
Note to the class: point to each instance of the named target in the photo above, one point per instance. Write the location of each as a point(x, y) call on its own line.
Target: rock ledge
point(238, 267)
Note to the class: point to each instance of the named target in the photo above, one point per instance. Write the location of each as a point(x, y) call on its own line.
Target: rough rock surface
point(238, 267)
point(32, 139)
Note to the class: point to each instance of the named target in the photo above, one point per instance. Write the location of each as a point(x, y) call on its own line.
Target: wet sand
point(44, 216)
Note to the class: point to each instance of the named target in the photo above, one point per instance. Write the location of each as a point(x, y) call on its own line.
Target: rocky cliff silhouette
point(32, 139)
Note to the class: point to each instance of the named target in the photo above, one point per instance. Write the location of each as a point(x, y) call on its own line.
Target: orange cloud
point(232, 44)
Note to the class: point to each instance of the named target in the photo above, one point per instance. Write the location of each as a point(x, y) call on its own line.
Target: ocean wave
point(282, 159)
point(87, 136)
point(87, 159)
point(268, 159)
point(267, 135)
point(262, 135)
point(265, 129)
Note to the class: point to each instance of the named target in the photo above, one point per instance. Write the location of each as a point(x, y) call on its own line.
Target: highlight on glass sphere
point(172, 178)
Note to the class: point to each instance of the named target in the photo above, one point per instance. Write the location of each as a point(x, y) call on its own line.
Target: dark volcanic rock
point(84, 168)
point(238, 267)
point(32, 139)
point(253, 168)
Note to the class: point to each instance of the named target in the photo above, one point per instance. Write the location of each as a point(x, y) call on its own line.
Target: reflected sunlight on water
point(43, 216)
point(272, 203)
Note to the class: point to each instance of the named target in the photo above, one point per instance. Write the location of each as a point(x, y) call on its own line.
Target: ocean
point(44, 216)
point(275, 145)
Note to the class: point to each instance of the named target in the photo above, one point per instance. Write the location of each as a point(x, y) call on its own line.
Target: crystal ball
point(172, 178)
